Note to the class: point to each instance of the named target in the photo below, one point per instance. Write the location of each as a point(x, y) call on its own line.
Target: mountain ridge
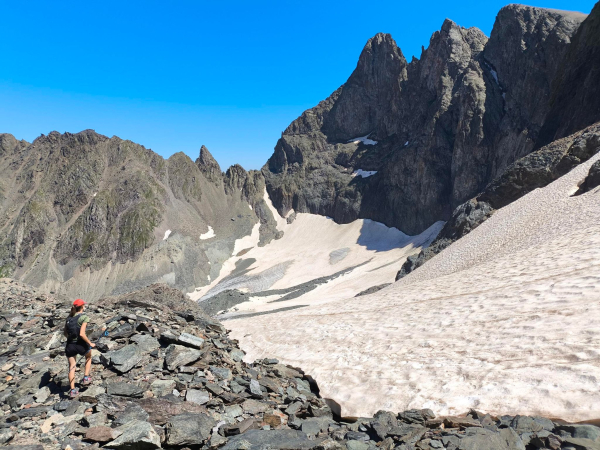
point(451, 112)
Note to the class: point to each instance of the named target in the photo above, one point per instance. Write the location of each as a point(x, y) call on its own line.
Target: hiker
point(78, 344)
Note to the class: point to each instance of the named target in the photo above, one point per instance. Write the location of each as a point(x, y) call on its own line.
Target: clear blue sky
point(173, 75)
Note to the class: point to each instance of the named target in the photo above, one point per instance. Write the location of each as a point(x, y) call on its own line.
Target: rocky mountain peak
point(461, 114)
point(8, 143)
point(370, 94)
point(208, 165)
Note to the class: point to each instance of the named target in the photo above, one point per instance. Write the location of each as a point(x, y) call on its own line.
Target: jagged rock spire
point(208, 165)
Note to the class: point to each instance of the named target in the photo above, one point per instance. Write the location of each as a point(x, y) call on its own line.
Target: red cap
point(78, 302)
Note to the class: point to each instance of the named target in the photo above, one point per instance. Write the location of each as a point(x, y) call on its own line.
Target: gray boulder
point(482, 439)
point(124, 389)
point(178, 355)
point(197, 396)
point(190, 340)
point(126, 358)
point(279, 439)
point(136, 435)
point(189, 429)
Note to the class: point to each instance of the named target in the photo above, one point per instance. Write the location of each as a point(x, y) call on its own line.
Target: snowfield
point(506, 320)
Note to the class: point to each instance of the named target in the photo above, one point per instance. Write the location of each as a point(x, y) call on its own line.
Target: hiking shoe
point(74, 393)
point(87, 380)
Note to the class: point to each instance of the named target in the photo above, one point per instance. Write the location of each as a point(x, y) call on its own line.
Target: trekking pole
point(104, 334)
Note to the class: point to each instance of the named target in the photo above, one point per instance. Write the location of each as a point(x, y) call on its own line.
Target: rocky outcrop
point(433, 132)
point(592, 181)
point(208, 165)
point(210, 398)
point(536, 170)
point(78, 208)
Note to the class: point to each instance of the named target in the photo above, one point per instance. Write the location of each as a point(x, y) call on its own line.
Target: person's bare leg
point(88, 363)
point(72, 368)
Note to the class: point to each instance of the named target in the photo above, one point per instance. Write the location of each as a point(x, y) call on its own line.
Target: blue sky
point(173, 75)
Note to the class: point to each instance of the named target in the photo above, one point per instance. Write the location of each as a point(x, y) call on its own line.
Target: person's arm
point(84, 337)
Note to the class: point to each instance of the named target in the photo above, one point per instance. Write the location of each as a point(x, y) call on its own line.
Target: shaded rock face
point(438, 129)
point(536, 170)
point(77, 204)
point(213, 401)
point(575, 100)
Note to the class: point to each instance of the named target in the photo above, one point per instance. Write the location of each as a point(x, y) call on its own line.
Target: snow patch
point(167, 234)
point(281, 222)
point(406, 143)
point(247, 241)
point(495, 75)
point(210, 233)
point(364, 139)
point(363, 173)
point(250, 206)
point(493, 72)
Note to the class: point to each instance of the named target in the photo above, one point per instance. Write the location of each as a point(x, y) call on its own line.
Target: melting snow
point(249, 206)
point(495, 75)
point(167, 233)
point(406, 143)
point(493, 72)
point(364, 139)
point(507, 314)
point(210, 233)
point(363, 173)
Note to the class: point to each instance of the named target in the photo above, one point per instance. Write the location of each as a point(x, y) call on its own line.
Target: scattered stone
point(124, 389)
point(222, 373)
point(161, 388)
point(197, 396)
point(190, 340)
point(255, 389)
point(126, 358)
point(189, 429)
point(178, 355)
point(102, 434)
point(183, 396)
point(136, 435)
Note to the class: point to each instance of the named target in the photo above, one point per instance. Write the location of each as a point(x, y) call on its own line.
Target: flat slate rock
point(482, 439)
point(178, 355)
point(279, 439)
point(136, 435)
point(124, 389)
point(189, 429)
point(126, 358)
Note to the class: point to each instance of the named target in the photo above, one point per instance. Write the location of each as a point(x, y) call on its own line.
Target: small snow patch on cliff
point(364, 139)
point(363, 173)
point(167, 234)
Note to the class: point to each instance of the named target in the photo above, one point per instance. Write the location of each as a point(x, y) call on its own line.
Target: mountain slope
point(88, 215)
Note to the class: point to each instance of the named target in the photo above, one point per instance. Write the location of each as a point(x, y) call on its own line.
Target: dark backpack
point(73, 328)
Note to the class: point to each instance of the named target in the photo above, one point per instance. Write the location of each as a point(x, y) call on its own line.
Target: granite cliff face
point(435, 131)
point(104, 215)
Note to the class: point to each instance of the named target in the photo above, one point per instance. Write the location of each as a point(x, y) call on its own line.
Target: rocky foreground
point(168, 376)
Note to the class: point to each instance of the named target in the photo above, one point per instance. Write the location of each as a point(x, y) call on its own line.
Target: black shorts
point(76, 348)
